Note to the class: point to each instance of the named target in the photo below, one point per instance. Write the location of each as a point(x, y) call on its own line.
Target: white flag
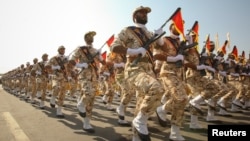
point(228, 39)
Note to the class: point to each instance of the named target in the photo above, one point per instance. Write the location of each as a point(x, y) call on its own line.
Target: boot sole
point(161, 122)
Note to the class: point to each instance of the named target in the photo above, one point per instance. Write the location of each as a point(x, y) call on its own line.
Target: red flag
point(104, 55)
point(195, 28)
point(223, 48)
point(235, 53)
point(178, 21)
point(110, 40)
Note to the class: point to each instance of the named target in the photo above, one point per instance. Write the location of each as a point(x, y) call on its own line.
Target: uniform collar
point(141, 26)
point(174, 36)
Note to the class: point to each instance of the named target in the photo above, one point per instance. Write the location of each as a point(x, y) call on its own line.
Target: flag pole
point(105, 43)
point(217, 41)
point(229, 41)
point(177, 10)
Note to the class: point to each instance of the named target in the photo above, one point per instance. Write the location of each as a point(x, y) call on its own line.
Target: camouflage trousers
point(176, 95)
point(141, 79)
point(25, 85)
point(232, 92)
point(59, 90)
point(126, 94)
point(242, 90)
point(73, 87)
point(87, 94)
point(41, 83)
point(33, 86)
point(109, 88)
point(223, 90)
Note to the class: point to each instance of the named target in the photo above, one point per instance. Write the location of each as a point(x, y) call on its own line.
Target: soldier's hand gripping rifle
point(146, 46)
point(181, 50)
point(90, 58)
point(61, 64)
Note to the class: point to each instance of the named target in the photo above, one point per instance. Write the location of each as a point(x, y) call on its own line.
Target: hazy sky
point(29, 28)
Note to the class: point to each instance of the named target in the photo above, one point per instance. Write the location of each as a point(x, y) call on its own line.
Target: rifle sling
point(42, 67)
point(90, 59)
point(173, 42)
point(143, 38)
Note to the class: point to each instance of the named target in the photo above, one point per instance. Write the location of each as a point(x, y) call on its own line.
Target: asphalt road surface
point(23, 121)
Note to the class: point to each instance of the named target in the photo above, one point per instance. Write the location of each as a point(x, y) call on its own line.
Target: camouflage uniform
point(86, 58)
point(73, 82)
point(28, 75)
point(59, 80)
point(126, 94)
point(32, 83)
point(239, 77)
point(141, 76)
point(41, 79)
point(171, 77)
point(107, 71)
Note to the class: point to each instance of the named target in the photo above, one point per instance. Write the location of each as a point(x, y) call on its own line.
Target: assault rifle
point(44, 71)
point(146, 46)
point(181, 50)
point(90, 58)
point(61, 64)
point(203, 60)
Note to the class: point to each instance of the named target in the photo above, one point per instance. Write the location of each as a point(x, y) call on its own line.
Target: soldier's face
point(45, 58)
point(174, 31)
point(61, 51)
point(141, 17)
point(89, 39)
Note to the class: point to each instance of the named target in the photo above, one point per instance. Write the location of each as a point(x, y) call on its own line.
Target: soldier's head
point(61, 50)
point(89, 37)
point(140, 15)
point(173, 29)
point(212, 46)
point(27, 64)
point(231, 56)
point(241, 59)
point(35, 60)
point(220, 53)
point(45, 57)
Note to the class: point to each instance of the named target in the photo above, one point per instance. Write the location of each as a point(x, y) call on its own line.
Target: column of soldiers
point(162, 80)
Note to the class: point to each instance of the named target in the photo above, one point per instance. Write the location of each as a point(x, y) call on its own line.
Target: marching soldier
point(171, 78)
point(126, 94)
point(107, 71)
point(130, 42)
point(27, 79)
point(239, 77)
point(41, 79)
point(73, 82)
point(59, 79)
point(33, 82)
point(86, 58)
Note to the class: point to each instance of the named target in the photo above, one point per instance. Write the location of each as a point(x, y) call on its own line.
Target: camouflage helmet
point(35, 60)
point(60, 47)
point(89, 34)
point(44, 56)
